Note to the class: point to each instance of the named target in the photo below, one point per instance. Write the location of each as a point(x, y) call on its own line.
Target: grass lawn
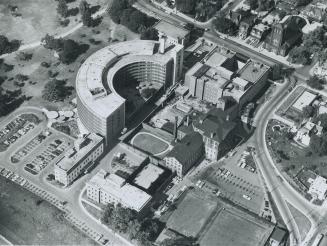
point(289, 156)
point(38, 17)
point(301, 220)
point(96, 37)
point(26, 219)
point(231, 227)
point(191, 215)
point(149, 143)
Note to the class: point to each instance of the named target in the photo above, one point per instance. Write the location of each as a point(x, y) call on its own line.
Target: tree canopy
point(7, 46)
point(225, 25)
point(316, 82)
point(56, 90)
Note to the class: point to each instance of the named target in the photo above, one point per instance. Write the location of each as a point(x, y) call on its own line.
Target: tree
point(225, 26)
point(322, 118)
point(83, 7)
point(62, 8)
point(205, 9)
point(265, 5)
point(319, 144)
point(308, 111)
point(253, 4)
point(316, 82)
point(86, 13)
point(70, 51)
point(185, 6)
point(149, 34)
point(50, 42)
point(10, 100)
point(7, 46)
point(56, 90)
point(300, 55)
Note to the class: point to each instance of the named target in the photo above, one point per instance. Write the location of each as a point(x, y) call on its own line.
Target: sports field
point(233, 227)
point(192, 215)
point(149, 143)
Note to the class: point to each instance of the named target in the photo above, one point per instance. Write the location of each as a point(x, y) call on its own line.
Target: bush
point(7, 46)
point(23, 56)
point(56, 90)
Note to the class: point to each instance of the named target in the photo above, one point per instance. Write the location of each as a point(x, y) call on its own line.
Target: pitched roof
point(215, 124)
point(190, 144)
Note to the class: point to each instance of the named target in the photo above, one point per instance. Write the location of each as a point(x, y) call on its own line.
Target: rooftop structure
point(85, 151)
point(278, 237)
point(148, 175)
point(175, 34)
point(222, 73)
point(100, 106)
point(318, 187)
point(111, 188)
point(304, 100)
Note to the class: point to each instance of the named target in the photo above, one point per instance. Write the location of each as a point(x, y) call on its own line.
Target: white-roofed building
point(107, 188)
point(100, 107)
point(85, 152)
point(148, 176)
point(318, 187)
point(304, 100)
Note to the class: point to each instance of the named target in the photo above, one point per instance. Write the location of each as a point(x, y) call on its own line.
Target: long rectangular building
point(85, 152)
point(107, 188)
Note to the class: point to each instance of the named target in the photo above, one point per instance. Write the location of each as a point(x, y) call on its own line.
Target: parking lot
point(235, 179)
point(16, 129)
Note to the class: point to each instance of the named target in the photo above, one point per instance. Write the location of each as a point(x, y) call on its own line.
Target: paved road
point(278, 186)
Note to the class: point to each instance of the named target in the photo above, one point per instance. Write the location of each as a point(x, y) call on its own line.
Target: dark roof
point(216, 124)
point(189, 144)
point(278, 234)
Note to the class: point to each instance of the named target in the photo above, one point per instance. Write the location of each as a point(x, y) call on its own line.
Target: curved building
point(100, 106)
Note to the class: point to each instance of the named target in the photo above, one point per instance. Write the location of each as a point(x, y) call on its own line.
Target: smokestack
point(162, 43)
point(175, 127)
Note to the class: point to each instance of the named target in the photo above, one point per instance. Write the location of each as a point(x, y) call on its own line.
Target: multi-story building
point(221, 74)
point(284, 35)
point(100, 104)
point(85, 152)
point(107, 188)
point(216, 129)
point(258, 33)
point(175, 34)
point(185, 154)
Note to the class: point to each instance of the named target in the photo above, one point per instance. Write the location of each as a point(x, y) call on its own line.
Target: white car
point(247, 197)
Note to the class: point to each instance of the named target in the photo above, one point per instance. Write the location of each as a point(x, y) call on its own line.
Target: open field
point(192, 215)
point(149, 143)
point(38, 17)
point(231, 227)
point(96, 38)
point(26, 219)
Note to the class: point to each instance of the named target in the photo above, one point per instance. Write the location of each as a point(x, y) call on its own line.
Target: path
point(61, 35)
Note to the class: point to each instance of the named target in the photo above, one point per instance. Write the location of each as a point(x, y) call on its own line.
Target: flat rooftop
point(304, 100)
point(94, 78)
point(116, 186)
point(148, 175)
point(171, 30)
point(253, 71)
point(82, 147)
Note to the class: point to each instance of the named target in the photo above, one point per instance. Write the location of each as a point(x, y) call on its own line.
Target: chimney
point(212, 134)
point(227, 118)
point(162, 43)
point(175, 127)
point(188, 120)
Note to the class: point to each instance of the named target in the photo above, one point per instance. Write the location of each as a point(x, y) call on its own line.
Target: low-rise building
point(85, 152)
point(258, 33)
point(174, 34)
point(318, 188)
point(306, 131)
point(185, 154)
point(107, 188)
point(284, 35)
point(315, 11)
point(278, 237)
point(216, 129)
